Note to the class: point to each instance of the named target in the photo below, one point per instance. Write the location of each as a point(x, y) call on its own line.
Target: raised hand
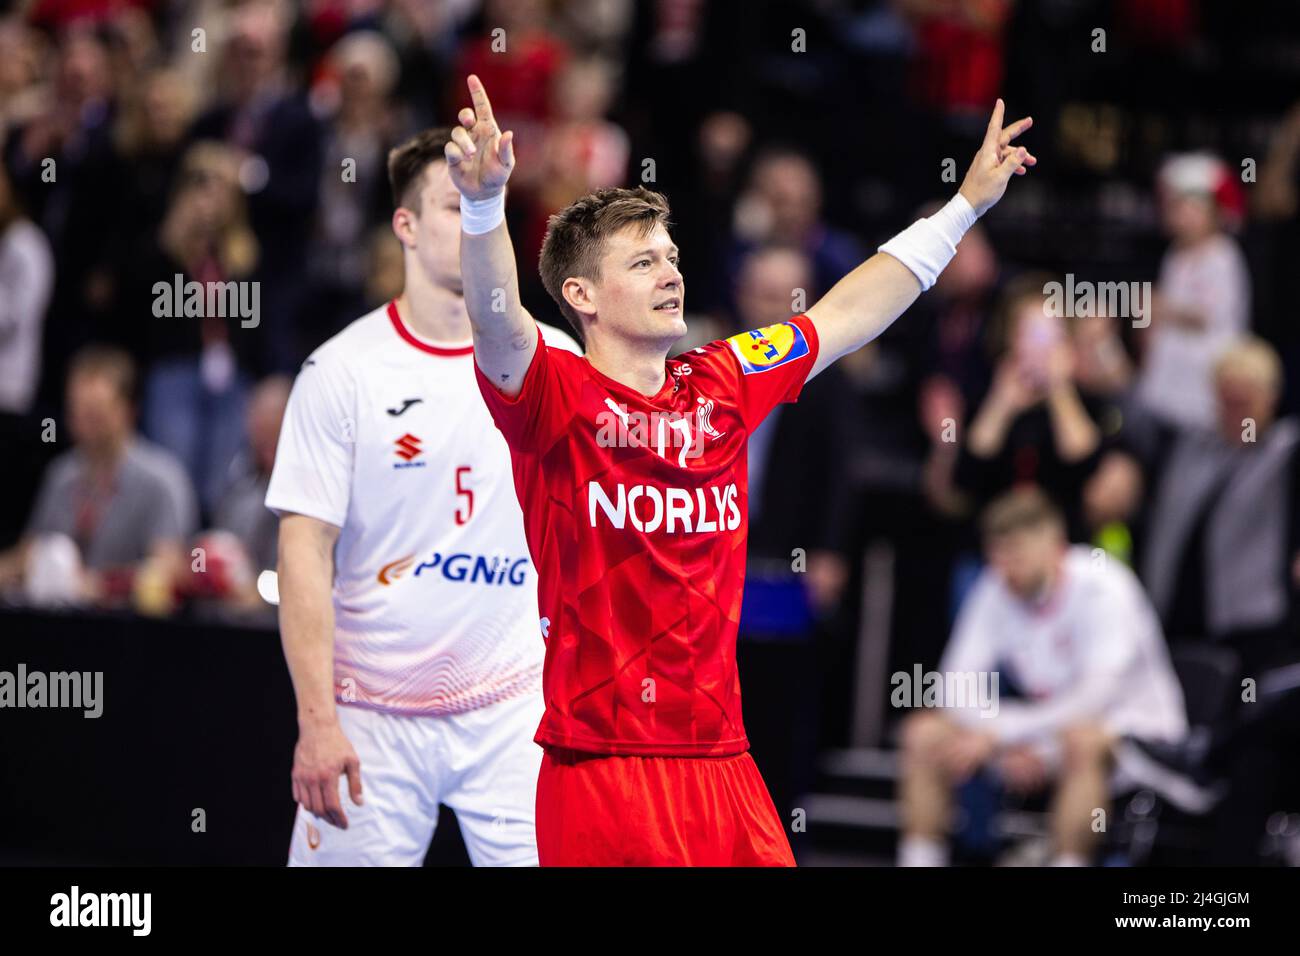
point(996, 162)
point(479, 155)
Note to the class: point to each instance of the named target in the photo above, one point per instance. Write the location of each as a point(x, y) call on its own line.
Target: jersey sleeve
point(770, 365)
point(558, 338)
point(313, 460)
point(530, 420)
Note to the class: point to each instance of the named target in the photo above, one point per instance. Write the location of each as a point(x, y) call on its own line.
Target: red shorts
point(600, 810)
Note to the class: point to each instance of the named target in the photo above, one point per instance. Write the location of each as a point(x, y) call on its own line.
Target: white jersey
point(435, 598)
point(1094, 652)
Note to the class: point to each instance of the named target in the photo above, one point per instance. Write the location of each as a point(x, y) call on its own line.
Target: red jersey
point(636, 515)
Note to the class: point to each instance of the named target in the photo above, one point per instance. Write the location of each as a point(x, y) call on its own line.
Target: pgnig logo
point(463, 568)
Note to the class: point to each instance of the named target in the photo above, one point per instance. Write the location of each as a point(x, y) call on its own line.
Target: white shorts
point(482, 763)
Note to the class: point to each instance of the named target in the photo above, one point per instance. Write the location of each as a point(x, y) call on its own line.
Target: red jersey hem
point(641, 748)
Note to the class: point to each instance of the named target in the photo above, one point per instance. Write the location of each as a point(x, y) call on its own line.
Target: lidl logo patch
point(764, 349)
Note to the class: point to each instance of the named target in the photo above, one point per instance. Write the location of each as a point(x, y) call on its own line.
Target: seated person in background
point(242, 509)
point(241, 543)
point(1220, 552)
point(1077, 636)
point(124, 505)
point(1033, 426)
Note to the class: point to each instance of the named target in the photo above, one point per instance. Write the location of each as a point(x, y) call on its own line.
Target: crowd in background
point(246, 141)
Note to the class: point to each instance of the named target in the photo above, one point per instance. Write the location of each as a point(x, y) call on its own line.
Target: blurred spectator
point(385, 271)
point(1202, 299)
point(1275, 229)
point(26, 282)
point(125, 504)
point(151, 127)
point(520, 60)
point(262, 114)
point(197, 381)
point(800, 488)
point(582, 151)
point(1222, 545)
point(242, 542)
point(22, 52)
point(242, 509)
point(359, 76)
point(1222, 560)
point(955, 366)
point(68, 177)
point(1033, 426)
point(1106, 377)
point(425, 37)
point(784, 204)
point(959, 59)
point(797, 495)
point(57, 14)
point(594, 25)
point(1082, 645)
point(1102, 366)
point(133, 44)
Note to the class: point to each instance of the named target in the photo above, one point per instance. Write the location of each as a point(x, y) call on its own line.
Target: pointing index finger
point(482, 107)
point(995, 124)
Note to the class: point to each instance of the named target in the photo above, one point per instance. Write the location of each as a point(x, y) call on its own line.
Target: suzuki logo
point(408, 446)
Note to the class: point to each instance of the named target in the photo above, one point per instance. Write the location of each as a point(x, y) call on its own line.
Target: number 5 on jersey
point(461, 472)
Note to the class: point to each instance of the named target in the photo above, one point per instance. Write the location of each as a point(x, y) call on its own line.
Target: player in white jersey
point(1076, 635)
point(408, 608)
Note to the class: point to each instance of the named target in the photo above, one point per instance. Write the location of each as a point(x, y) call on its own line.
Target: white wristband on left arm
point(928, 245)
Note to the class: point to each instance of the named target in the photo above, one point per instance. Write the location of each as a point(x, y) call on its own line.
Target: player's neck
point(630, 364)
point(433, 312)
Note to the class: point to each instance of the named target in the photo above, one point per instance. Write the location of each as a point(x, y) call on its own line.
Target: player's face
point(641, 293)
point(1025, 559)
point(437, 229)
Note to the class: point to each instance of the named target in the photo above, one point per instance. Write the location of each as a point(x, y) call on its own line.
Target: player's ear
point(404, 226)
point(577, 292)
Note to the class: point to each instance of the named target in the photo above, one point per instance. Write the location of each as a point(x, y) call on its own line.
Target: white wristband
point(928, 245)
point(478, 216)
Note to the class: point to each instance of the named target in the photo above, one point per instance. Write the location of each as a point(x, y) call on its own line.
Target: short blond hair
point(1021, 509)
point(1252, 358)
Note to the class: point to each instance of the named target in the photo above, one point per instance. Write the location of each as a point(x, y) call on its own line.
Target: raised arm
point(867, 300)
point(480, 158)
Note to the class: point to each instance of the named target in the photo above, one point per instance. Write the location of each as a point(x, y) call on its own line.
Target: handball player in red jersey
point(631, 471)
